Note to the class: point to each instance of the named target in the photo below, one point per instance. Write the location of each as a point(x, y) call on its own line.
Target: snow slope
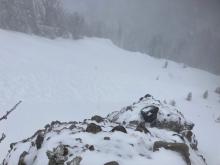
point(72, 80)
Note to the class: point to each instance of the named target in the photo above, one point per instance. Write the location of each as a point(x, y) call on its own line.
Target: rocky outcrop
point(190, 136)
point(136, 132)
point(39, 140)
point(153, 112)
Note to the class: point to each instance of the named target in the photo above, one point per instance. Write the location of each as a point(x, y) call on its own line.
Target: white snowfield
point(71, 80)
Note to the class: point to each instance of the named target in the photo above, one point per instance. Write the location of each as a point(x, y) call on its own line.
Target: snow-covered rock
point(166, 116)
point(123, 137)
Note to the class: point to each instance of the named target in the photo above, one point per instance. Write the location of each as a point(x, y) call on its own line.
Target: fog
point(186, 31)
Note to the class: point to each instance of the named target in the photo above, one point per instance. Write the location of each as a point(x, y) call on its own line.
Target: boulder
point(147, 95)
point(107, 138)
point(149, 113)
point(93, 128)
point(97, 118)
point(111, 163)
point(91, 147)
point(119, 128)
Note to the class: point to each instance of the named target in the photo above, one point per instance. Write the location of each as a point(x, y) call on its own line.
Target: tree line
point(40, 17)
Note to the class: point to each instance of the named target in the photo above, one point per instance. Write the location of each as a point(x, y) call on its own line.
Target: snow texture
point(71, 80)
point(129, 148)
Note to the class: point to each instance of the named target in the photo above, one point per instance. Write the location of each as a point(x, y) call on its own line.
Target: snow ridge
point(148, 131)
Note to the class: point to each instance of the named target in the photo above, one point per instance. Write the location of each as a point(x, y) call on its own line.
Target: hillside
point(71, 80)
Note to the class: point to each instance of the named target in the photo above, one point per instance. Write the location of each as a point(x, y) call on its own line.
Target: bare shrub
point(217, 90)
point(5, 116)
point(165, 64)
point(173, 102)
point(189, 96)
point(205, 94)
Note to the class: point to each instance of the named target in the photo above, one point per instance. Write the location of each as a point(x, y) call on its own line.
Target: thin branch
point(10, 111)
point(4, 117)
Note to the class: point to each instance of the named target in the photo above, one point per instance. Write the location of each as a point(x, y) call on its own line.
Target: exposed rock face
point(93, 128)
point(21, 158)
point(175, 126)
point(181, 148)
point(70, 143)
point(39, 140)
point(149, 113)
point(189, 135)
